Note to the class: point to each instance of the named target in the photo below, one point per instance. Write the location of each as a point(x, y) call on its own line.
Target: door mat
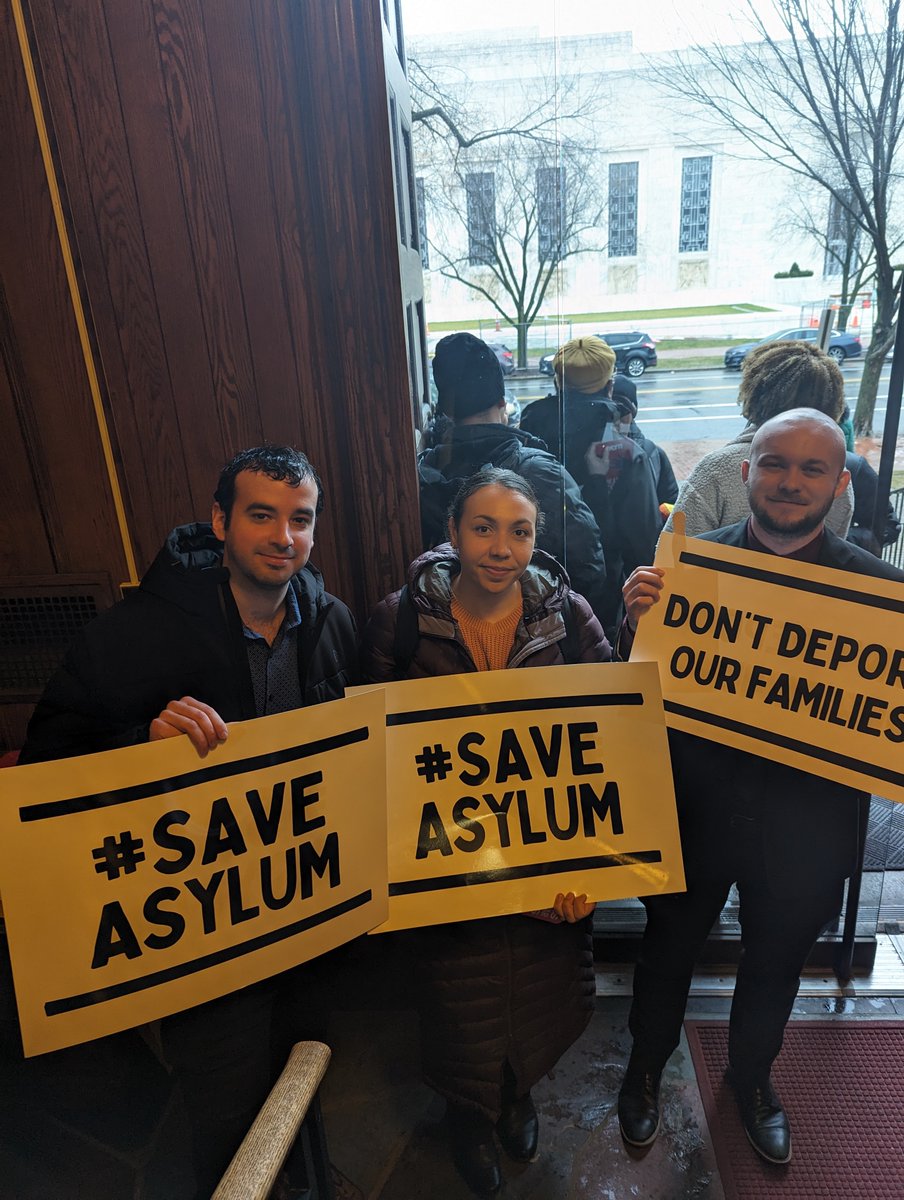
point(842, 1085)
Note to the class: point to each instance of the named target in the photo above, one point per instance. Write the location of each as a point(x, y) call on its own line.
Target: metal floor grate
point(884, 837)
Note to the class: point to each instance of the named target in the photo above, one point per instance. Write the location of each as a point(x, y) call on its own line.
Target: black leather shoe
point(519, 1130)
point(474, 1153)
point(639, 1117)
point(765, 1121)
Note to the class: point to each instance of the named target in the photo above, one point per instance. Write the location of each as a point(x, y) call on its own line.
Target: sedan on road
point(841, 347)
point(634, 352)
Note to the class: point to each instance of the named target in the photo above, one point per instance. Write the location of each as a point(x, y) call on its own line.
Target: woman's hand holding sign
point(641, 591)
point(572, 908)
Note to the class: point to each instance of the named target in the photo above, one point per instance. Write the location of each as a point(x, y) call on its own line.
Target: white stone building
point(692, 217)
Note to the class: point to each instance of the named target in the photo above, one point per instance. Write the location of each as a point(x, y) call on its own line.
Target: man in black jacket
point(786, 837)
point(579, 425)
point(230, 622)
point(471, 432)
point(624, 396)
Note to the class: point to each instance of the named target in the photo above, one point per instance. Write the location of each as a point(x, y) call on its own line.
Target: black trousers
point(777, 934)
point(227, 1053)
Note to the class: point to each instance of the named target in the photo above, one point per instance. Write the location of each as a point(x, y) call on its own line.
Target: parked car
point(505, 356)
point(841, 346)
point(634, 352)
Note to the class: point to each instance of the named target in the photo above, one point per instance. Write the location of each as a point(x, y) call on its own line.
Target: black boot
point(765, 1121)
point(638, 1105)
point(519, 1129)
point(474, 1151)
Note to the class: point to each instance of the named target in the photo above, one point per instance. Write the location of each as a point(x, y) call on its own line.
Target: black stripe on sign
point(530, 871)
point(129, 987)
point(787, 581)
point(160, 787)
point(610, 699)
point(776, 739)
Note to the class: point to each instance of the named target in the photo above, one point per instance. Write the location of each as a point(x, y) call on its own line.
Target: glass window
point(696, 175)
point(413, 222)
point(480, 190)
point(622, 209)
point(397, 164)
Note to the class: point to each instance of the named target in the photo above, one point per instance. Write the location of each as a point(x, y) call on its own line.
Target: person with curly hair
point(777, 376)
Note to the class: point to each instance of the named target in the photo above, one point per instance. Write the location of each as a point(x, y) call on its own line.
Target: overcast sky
point(656, 24)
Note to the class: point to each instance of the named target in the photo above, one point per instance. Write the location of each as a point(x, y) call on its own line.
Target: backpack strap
point(407, 634)
point(571, 646)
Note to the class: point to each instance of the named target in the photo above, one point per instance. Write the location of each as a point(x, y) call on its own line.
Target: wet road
point(690, 405)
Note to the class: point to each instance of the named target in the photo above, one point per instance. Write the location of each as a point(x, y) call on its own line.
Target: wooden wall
point(226, 178)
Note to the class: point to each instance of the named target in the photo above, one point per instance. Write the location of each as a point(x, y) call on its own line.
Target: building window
point(550, 212)
point(397, 163)
point(696, 177)
point(480, 191)
point(842, 240)
point(622, 209)
point(421, 202)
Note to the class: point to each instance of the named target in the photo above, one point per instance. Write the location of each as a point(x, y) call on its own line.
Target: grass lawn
point(697, 343)
point(629, 314)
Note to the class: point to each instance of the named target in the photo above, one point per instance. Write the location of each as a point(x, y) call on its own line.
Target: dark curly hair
point(782, 375)
point(280, 463)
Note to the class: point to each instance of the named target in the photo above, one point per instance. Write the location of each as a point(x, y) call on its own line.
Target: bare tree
point(447, 113)
point(503, 227)
point(512, 193)
point(824, 98)
point(847, 256)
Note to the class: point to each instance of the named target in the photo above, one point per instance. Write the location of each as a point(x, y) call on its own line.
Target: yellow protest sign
point(788, 660)
point(506, 787)
point(142, 881)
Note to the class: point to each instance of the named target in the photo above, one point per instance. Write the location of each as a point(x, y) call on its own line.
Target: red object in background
point(9, 759)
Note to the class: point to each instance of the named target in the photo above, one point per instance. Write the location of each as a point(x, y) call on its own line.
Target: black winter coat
point(179, 634)
point(627, 513)
point(865, 483)
point(505, 989)
point(570, 533)
point(664, 480)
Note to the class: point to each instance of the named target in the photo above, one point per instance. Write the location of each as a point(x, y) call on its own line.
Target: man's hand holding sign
point(783, 683)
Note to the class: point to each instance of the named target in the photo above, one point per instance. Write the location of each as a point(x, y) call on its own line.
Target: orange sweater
point(490, 642)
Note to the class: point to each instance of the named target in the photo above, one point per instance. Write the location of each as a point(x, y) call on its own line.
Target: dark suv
point(634, 352)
